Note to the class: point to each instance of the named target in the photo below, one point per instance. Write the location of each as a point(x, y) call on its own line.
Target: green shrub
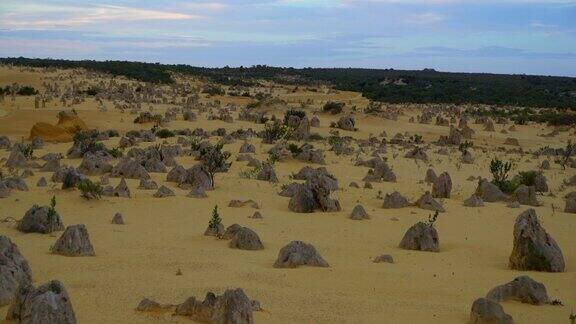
point(294, 149)
point(89, 189)
point(293, 112)
point(115, 152)
point(27, 150)
point(315, 137)
point(164, 133)
point(215, 221)
point(274, 131)
point(527, 178)
point(27, 91)
point(333, 107)
point(500, 170)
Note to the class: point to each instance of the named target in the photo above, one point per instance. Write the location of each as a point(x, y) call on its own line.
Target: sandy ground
point(140, 259)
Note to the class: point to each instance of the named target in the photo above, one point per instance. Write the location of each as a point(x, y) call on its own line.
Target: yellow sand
point(162, 236)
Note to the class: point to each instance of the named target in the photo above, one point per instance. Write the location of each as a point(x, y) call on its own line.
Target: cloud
point(424, 18)
point(53, 16)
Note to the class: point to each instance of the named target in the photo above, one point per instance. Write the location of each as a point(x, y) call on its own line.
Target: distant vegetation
point(394, 86)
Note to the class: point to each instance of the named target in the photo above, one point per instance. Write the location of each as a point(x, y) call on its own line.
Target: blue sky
point(510, 36)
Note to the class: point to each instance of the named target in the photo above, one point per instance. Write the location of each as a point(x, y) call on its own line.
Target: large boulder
point(267, 173)
point(129, 168)
point(72, 179)
point(4, 143)
point(313, 195)
point(4, 190)
point(122, 189)
point(430, 176)
point(298, 253)
point(417, 153)
point(426, 201)
point(523, 289)
point(534, 249)
point(40, 220)
point(16, 159)
point(526, 195)
point(421, 236)
point(359, 213)
point(177, 174)
point(164, 192)
point(75, 241)
point(570, 203)
point(94, 164)
point(14, 270)
point(233, 307)
point(489, 192)
point(196, 176)
point(442, 186)
point(346, 123)
point(486, 311)
point(474, 201)
point(48, 303)
point(247, 148)
point(246, 239)
point(395, 200)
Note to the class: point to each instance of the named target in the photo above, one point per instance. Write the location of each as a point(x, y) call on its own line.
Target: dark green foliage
point(214, 160)
point(464, 146)
point(394, 86)
point(432, 218)
point(113, 133)
point(315, 137)
point(90, 190)
point(215, 221)
point(22, 91)
point(115, 152)
point(566, 154)
point(213, 90)
point(274, 131)
point(27, 91)
point(86, 142)
point(294, 149)
point(500, 170)
point(164, 133)
point(293, 112)
point(52, 210)
point(416, 139)
point(147, 72)
point(92, 91)
point(333, 107)
point(526, 178)
point(27, 150)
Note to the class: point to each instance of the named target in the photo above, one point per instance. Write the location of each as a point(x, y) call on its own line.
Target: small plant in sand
point(566, 155)
point(251, 173)
point(274, 131)
point(52, 209)
point(214, 160)
point(500, 171)
point(27, 150)
point(215, 221)
point(464, 146)
point(572, 317)
point(416, 139)
point(86, 142)
point(90, 190)
point(115, 152)
point(333, 107)
point(293, 112)
point(432, 218)
point(165, 133)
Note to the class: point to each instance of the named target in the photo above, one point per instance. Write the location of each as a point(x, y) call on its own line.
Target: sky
point(495, 36)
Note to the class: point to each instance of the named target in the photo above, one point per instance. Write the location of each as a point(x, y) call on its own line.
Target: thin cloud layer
point(508, 36)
